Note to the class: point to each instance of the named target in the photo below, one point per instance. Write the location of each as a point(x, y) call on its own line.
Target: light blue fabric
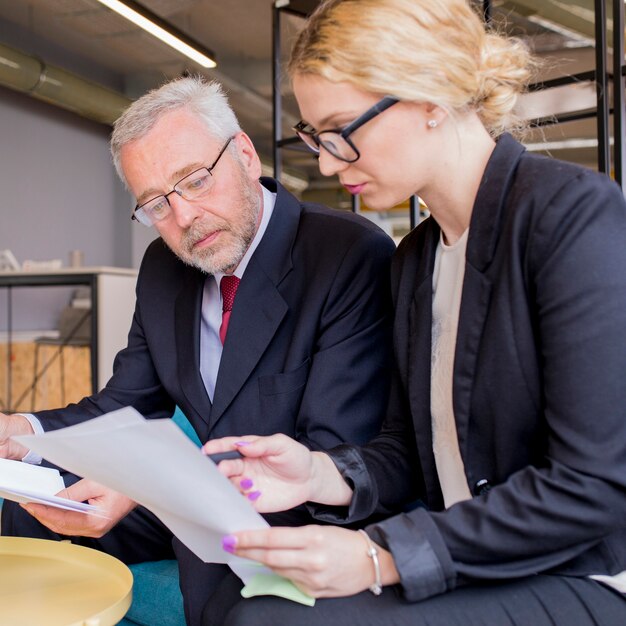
point(157, 600)
point(183, 423)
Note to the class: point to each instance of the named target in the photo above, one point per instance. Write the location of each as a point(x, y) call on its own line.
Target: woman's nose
point(330, 165)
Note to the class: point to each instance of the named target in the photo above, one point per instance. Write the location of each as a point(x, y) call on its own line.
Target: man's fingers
point(68, 523)
point(80, 491)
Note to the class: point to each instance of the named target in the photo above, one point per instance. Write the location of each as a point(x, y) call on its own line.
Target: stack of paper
point(22, 482)
point(154, 463)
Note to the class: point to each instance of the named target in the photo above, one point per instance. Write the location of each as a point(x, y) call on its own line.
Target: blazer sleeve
point(541, 517)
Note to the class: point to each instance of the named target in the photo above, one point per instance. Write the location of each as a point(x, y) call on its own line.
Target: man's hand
point(13, 425)
point(111, 503)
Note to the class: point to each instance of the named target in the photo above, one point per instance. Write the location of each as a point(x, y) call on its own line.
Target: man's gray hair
point(201, 97)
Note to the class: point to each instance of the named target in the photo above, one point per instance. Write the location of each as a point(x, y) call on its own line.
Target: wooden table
point(52, 583)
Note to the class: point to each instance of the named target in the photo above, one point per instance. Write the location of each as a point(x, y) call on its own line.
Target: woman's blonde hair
point(434, 51)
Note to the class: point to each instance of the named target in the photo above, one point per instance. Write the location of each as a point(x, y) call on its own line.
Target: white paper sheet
point(155, 464)
point(22, 482)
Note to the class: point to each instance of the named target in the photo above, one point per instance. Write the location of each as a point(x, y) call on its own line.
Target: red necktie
point(228, 287)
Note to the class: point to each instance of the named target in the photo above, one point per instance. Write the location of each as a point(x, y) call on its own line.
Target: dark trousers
point(538, 601)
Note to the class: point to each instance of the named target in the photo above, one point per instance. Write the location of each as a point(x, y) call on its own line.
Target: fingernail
point(254, 495)
point(242, 443)
point(246, 483)
point(228, 543)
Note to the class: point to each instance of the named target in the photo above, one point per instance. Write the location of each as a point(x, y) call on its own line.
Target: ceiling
point(86, 38)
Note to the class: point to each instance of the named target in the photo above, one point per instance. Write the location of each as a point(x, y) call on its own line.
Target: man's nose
point(184, 211)
point(329, 164)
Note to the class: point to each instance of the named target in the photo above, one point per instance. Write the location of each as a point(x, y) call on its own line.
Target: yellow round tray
point(52, 583)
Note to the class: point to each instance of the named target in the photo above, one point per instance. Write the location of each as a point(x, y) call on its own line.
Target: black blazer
point(539, 387)
point(307, 352)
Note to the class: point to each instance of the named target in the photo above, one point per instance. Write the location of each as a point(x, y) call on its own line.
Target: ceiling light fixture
point(168, 34)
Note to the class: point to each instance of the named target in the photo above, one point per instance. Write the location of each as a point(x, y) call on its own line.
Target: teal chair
point(157, 600)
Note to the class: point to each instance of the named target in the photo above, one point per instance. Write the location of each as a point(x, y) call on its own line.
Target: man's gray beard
point(223, 260)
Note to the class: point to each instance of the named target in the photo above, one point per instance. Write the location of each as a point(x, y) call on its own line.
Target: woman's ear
point(435, 115)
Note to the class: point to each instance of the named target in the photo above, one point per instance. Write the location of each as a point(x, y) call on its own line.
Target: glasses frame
point(344, 133)
point(209, 169)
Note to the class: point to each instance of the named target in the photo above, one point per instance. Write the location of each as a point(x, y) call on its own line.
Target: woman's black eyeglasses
point(337, 140)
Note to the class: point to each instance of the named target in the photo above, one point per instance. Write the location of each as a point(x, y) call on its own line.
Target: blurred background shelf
point(51, 357)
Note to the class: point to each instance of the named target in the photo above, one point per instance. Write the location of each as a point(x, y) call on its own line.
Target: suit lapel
point(484, 233)
point(259, 306)
point(418, 366)
point(187, 313)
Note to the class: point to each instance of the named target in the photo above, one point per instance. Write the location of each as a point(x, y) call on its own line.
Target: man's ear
point(248, 155)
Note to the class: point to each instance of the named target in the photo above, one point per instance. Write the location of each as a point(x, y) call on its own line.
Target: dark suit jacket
point(539, 387)
point(308, 345)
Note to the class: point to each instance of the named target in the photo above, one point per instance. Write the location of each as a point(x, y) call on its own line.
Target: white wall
point(59, 192)
point(58, 188)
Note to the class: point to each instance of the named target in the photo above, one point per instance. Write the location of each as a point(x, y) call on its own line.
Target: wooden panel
point(47, 392)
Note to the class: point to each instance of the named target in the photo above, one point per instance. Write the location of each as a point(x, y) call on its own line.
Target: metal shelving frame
point(602, 76)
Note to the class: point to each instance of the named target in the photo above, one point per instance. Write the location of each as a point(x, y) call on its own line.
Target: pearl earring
point(432, 123)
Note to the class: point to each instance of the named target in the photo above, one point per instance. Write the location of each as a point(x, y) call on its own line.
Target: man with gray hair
point(255, 313)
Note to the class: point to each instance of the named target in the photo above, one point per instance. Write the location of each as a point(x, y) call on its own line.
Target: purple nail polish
point(246, 483)
point(242, 443)
point(228, 543)
point(254, 495)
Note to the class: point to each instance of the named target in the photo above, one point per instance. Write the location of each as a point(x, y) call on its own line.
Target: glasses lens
point(309, 140)
point(337, 146)
point(196, 185)
point(142, 217)
point(153, 211)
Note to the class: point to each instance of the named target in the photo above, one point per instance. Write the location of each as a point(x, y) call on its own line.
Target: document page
point(22, 482)
point(154, 463)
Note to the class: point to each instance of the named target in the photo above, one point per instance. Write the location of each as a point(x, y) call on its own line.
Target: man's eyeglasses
point(337, 140)
point(193, 187)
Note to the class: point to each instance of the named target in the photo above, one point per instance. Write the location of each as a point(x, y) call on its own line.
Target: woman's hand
point(277, 473)
point(274, 474)
point(322, 561)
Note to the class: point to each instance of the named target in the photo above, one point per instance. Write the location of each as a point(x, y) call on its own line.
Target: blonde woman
point(496, 491)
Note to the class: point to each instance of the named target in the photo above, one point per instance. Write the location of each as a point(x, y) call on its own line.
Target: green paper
point(274, 585)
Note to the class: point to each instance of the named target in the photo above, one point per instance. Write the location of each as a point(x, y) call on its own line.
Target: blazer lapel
point(259, 307)
point(413, 345)
point(484, 233)
point(187, 312)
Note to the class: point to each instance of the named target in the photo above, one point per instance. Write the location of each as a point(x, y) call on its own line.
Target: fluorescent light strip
point(158, 32)
point(565, 144)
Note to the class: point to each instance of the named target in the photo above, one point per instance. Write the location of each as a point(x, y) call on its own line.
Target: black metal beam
point(564, 80)
point(602, 88)
point(619, 122)
point(487, 16)
point(277, 108)
point(573, 116)
point(355, 203)
point(414, 211)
